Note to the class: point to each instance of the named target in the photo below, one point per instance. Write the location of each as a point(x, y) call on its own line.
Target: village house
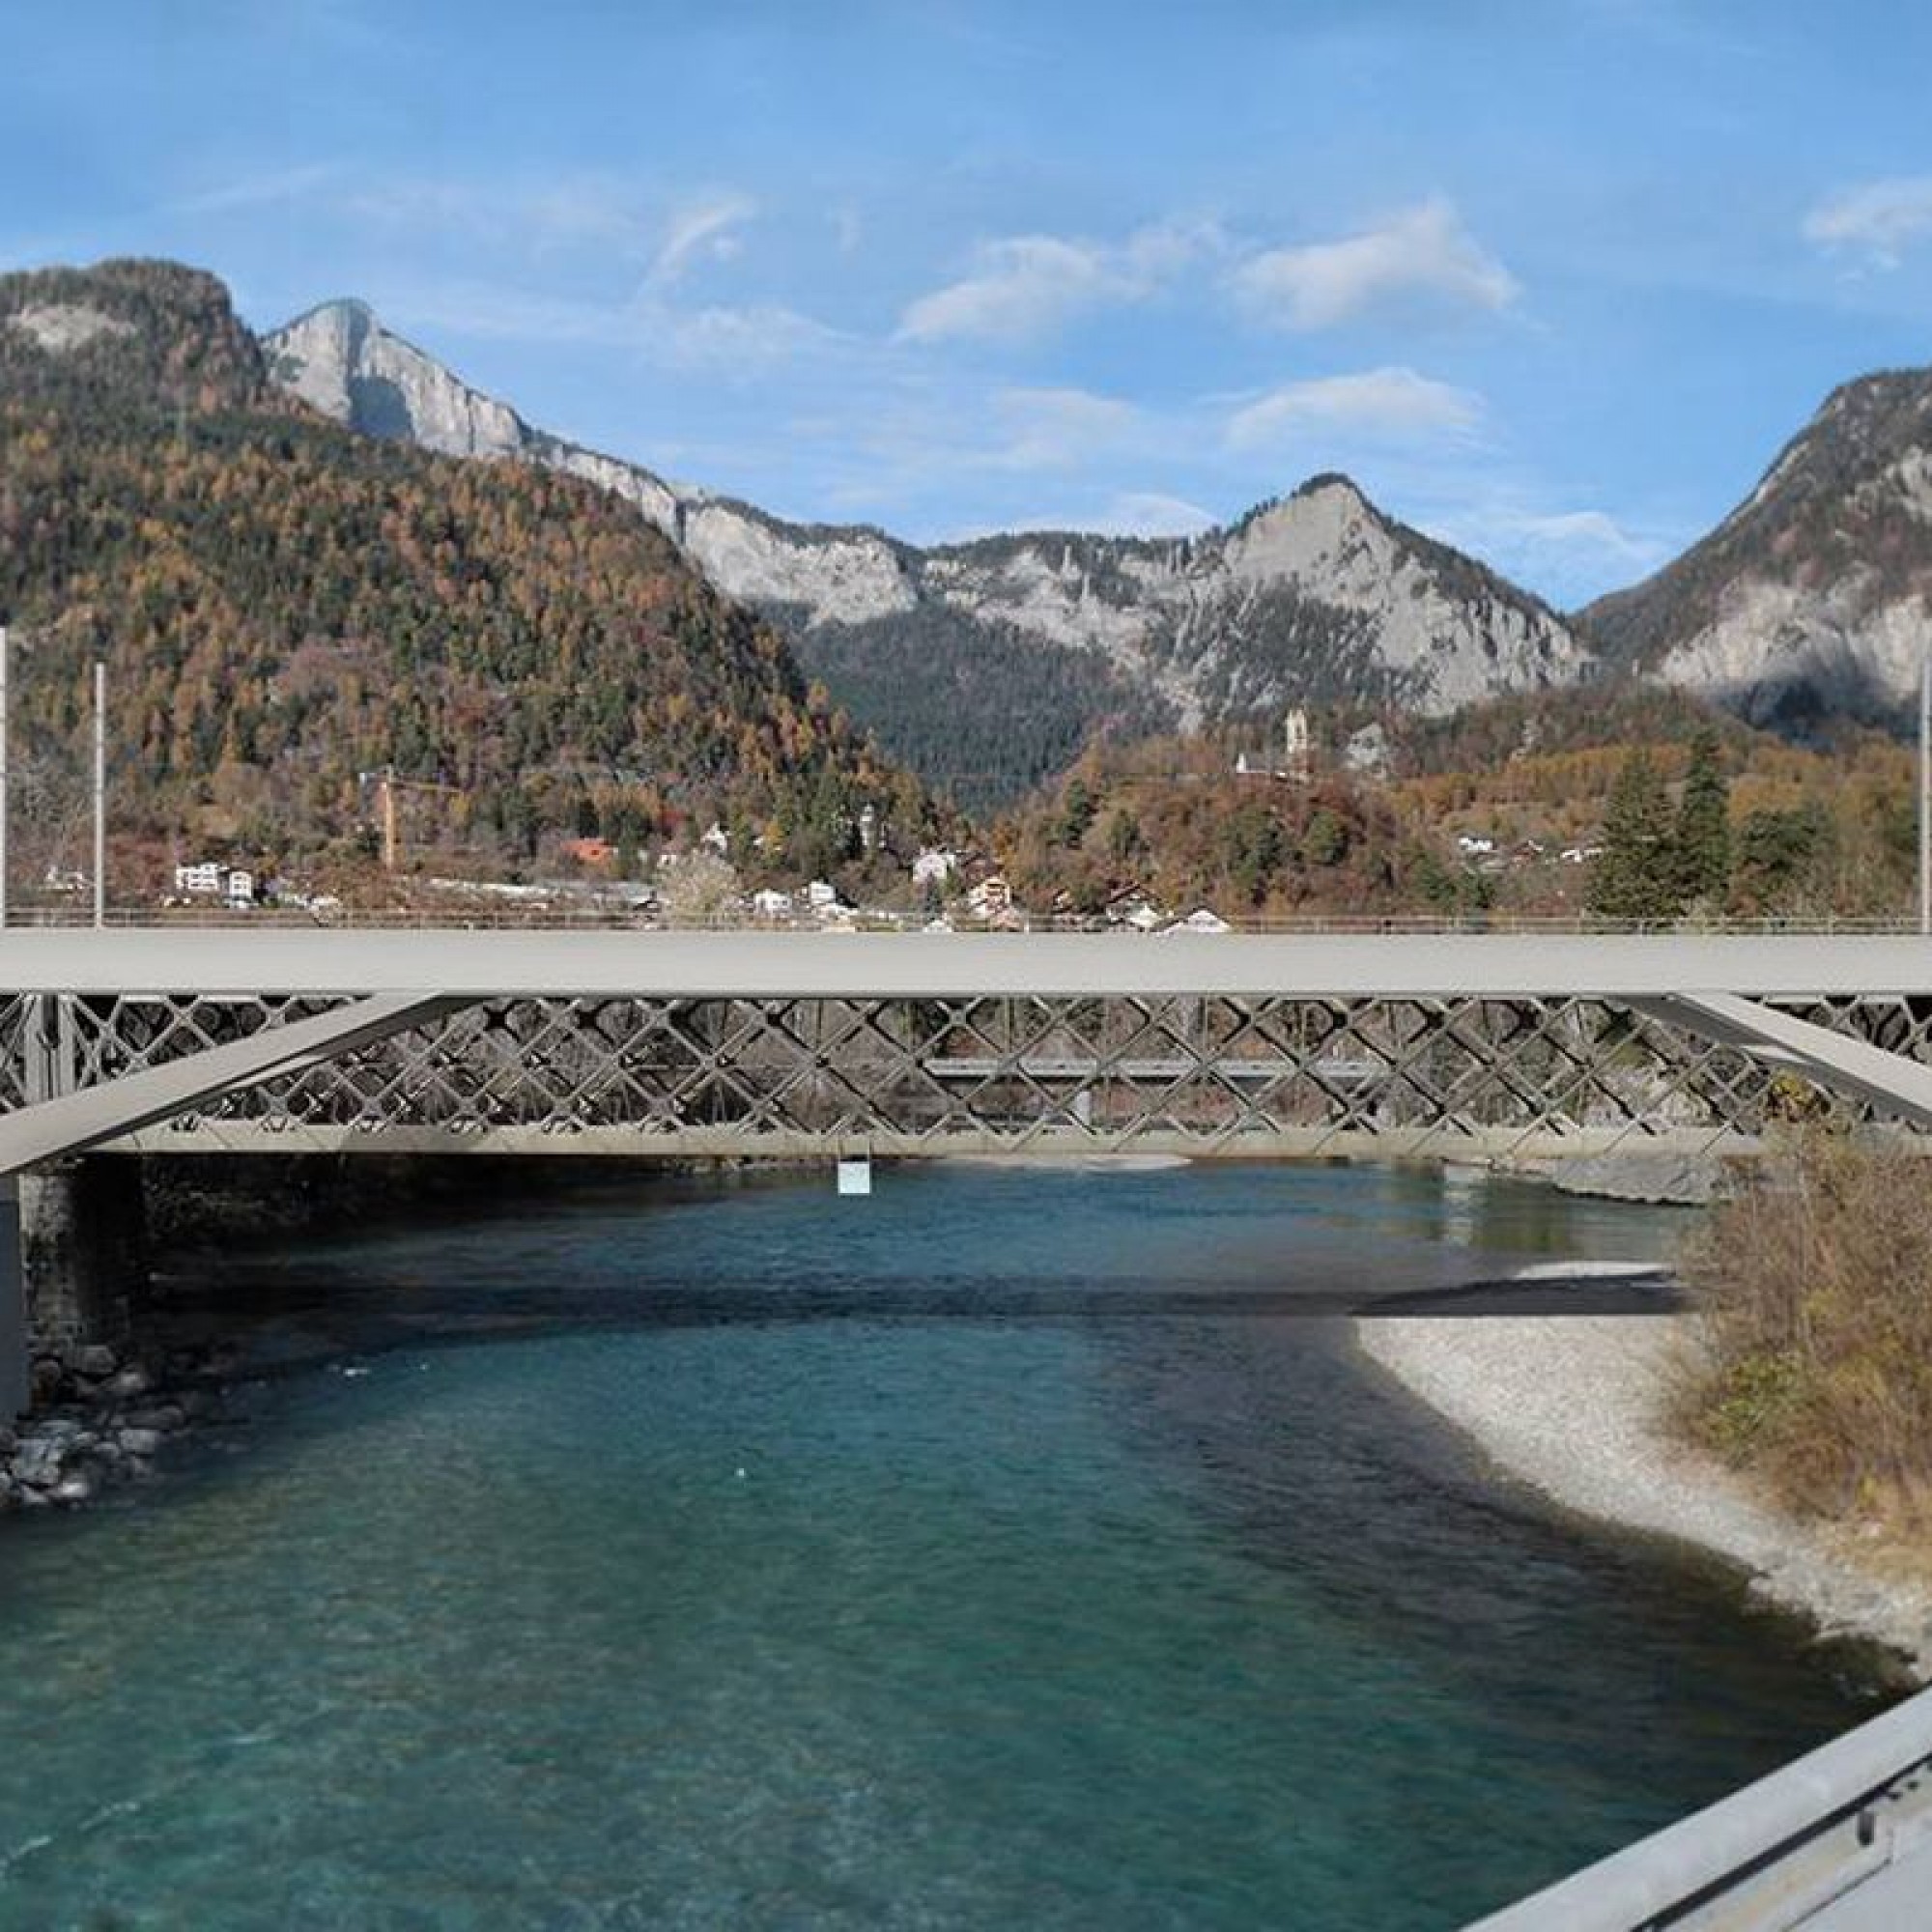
point(211, 879)
point(991, 896)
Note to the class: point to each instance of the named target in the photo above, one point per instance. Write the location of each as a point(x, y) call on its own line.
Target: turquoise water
point(1015, 1548)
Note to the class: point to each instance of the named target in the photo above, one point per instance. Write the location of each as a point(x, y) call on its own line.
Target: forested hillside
point(283, 604)
point(1506, 807)
point(982, 711)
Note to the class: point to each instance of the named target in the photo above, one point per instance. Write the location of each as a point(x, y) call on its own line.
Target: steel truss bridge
point(683, 1045)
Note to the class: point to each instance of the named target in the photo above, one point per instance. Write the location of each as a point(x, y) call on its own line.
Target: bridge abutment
point(12, 1306)
point(82, 1252)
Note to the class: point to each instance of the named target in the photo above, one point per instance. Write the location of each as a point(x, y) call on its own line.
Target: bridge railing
point(1772, 1855)
point(595, 916)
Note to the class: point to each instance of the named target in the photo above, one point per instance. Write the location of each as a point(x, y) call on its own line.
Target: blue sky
point(1551, 280)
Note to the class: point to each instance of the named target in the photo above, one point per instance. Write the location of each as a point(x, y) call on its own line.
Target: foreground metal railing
point(1840, 1838)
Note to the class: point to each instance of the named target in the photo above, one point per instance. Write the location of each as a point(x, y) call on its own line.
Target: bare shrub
point(1814, 1284)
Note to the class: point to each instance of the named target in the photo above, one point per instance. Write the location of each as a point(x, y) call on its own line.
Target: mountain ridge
point(1317, 597)
point(1813, 596)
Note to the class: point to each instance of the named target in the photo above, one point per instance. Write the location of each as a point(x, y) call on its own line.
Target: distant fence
point(613, 916)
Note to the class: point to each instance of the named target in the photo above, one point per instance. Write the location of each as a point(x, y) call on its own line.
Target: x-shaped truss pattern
point(1208, 1075)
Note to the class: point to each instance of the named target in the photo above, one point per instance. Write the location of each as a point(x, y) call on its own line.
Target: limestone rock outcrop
point(1319, 597)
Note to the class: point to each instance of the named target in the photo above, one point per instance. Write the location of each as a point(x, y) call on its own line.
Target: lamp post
point(3, 775)
point(99, 793)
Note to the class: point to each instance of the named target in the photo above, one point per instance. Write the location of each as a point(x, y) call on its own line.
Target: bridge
point(1524, 1048)
point(1519, 1048)
point(740, 1044)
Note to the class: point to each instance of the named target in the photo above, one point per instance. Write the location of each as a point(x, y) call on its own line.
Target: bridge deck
point(494, 964)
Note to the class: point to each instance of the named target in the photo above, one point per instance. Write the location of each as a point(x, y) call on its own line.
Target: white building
point(820, 895)
point(1299, 744)
point(238, 888)
point(207, 879)
point(935, 866)
point(1201, 919)
point(717, 839)
point(772, 904)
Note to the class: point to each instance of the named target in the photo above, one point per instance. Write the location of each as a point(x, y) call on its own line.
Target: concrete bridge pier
point(81, 1253)
point(12, 1306)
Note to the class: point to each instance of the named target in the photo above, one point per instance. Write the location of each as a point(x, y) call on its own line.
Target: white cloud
point(1130, 513)
point(1028, 285)
point(1148, 513)
point(259, 190)
point(1567, 555)
point(1880, 219)
point(1593, 532)
point(1057, 428)
point(1163, 250)
point(1389, 403)
point(733, 342)
point(702, 226)
point(588, 214)
point(1423, 251)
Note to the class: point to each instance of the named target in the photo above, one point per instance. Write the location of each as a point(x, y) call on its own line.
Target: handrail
point(1696, 1860)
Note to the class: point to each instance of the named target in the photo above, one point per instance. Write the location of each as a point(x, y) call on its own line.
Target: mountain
point(284, 604)
point(989, 665)
point(1813, 598)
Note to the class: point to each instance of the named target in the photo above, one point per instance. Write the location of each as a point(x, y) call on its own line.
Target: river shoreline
point(1573, 1405)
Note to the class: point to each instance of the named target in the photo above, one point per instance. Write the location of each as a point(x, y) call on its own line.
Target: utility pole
point(1925, 788)
point(99, 793)
point(3, 775)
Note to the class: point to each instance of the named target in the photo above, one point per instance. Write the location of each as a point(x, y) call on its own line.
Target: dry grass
point(1814, 1286)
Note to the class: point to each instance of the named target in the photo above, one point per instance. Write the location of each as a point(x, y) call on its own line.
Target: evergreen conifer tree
point(1634, 880)
point(1703, 838)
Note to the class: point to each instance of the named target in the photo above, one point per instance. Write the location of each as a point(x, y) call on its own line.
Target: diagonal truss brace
point(78, 1121)
point(1832, 1059)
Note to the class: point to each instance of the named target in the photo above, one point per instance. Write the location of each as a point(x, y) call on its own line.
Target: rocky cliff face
point(1317, 598)
point(1814, 596)
point(341, 360)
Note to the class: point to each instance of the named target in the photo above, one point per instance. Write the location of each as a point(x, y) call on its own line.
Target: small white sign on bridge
point(855, 1174)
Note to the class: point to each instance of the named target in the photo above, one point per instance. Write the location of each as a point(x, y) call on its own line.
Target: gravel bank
point(1571, 1404)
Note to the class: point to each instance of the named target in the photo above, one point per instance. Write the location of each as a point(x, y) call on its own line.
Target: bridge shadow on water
point(371, 1315)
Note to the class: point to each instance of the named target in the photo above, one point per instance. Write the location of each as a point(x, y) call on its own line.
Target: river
point(1015, 1548)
